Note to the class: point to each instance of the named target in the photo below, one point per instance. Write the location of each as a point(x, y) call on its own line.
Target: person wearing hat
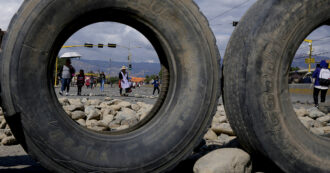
point(123, 81)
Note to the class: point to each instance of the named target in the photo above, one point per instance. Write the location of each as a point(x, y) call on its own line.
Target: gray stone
point(115, 102)
point(99, 129)
point(82, 122)
point(91, 123)
point(124, 104)
point(75, 102)
point(95, 102)
point(130, 122)
point(324, 120)
point(326, 129)
point(135, 107)
point(76, 115)
point(72, 108)
point(324, 107)
point(93, 115)
point(315, 113)
point(64, 101)
point(210, 135)
point(10, 140)
point(123, 127)
point(223, 128)
point(317, 131)
point(107, 99)
point(302, 112)
point(84, 100)
point(224, 161)
point(126, 114)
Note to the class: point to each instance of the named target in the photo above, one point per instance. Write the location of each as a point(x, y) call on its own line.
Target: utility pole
point(310, 60)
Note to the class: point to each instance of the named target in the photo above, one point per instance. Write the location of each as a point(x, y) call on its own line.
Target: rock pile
point(6, 137)
point(220, 132)
point(107, 115)
point(314, 120)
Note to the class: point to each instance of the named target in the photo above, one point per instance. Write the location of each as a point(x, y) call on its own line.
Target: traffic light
point(112, 45)
point(130, 66)
point(88, 45)
point(100, 45)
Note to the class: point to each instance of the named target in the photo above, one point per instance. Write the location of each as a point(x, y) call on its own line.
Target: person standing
point(91, 81)
point(317, 86)
point(156, 85)
point(102, 81)
point(123, 82)
point(66, 74)
point(80, 81)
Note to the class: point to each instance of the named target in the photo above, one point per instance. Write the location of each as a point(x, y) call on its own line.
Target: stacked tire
point(256, 94)
point(178, 121)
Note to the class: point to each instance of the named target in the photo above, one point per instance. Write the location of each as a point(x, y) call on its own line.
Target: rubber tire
point(182, 38)
point(256, 66)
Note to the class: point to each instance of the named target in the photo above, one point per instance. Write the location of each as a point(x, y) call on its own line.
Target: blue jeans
point(102, 86)
point(65, 84)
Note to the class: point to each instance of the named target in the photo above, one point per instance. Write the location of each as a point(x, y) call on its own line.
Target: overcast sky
point(221, 14)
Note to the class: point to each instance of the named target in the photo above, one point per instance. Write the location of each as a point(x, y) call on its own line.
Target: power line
point(239, 5)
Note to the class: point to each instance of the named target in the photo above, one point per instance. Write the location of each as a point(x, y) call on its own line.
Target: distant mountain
point(302, 65)
point(138, 69)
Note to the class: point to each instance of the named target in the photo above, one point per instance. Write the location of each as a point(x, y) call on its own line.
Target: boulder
point(91, 123)
point(75, 102)
point(126, 114)
point(64, 101)
point(130, 122)
point(224, 161)
point(302, 112)
point(210, 135)
point(124, 104)
point(114, 108)
point(107, 99)
point(114, 125)
point(76, 115)
point(93, 115)
point(326, 129)
point(82, 122)
point(71, 108)
point(223, 128)
point(123, 127)
point(10, 140)
point(324, 120)
point(306, 121)
point(95, 102)
point(135, 107)
point(317, 131)
point(84, 100)
point(315, 113)
point(99, 129)
point(115, 102)
point(324, 107)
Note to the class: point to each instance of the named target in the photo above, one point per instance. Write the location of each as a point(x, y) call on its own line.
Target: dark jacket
point(317, 71)
point(80, 80)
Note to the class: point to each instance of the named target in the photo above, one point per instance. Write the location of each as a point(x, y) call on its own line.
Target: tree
point(294, 68)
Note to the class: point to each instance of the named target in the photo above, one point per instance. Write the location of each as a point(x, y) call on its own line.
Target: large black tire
point(256, 67)
point(187, 51)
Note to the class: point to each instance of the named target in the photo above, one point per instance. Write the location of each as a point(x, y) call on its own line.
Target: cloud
point(106, 32)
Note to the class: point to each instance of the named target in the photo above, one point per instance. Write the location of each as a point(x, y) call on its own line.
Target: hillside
point(139, 69)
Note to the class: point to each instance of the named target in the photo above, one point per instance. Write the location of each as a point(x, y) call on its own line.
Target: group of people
point(67, 72)
point(321, 80)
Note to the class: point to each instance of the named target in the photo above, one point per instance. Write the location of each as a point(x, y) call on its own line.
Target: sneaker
point(317, 106)
point(66, 94)
point(61, 93)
